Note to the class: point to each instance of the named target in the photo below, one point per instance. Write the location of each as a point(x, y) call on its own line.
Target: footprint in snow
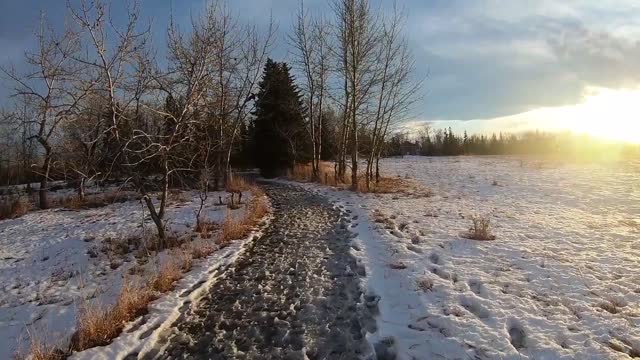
point(477, 287)
point(473, 306)
point(414, 248)
point(435, 258)
point(517, 335)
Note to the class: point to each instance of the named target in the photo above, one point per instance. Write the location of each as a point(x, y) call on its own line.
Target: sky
point(490, 65)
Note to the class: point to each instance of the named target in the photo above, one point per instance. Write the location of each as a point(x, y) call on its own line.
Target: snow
point(560, 281)
point(46, 267)
point(143, 336)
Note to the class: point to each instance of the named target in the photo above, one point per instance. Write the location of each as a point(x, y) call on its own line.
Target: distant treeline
point(444, 142)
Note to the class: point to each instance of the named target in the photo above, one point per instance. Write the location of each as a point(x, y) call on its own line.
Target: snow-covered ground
point(50, 260)
point(560, 281)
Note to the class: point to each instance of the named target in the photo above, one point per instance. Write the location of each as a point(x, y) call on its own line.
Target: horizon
point(487, 68)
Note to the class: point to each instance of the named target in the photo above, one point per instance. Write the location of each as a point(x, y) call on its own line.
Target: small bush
point(480, 229)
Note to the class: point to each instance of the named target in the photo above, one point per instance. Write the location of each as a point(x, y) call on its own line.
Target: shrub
point(480, 229)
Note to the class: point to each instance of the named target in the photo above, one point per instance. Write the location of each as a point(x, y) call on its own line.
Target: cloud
point(490, 59)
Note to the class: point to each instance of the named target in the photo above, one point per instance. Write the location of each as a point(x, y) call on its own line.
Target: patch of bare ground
point(99, 324)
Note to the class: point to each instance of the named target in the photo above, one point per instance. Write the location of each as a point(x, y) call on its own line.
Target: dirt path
point(296, 292)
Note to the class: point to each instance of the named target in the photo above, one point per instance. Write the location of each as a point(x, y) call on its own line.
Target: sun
point(607, 113)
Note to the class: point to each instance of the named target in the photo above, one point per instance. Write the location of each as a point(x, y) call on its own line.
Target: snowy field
point(52, 260)
point(560, 281)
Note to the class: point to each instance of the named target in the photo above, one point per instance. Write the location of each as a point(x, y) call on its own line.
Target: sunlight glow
point(606, 113)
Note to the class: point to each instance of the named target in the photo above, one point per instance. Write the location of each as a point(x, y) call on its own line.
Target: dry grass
point(398, 265)
point(237, 183)
point(385, 185)
point(206, 228)
point(200, 249)
point(304, 173)
point(232, 230)
point(610, 307)
point(92, 201)
point(97, 326)
point(39, 349)
point(424, 283)
point(167, 274)
point(185, 259)
point(480, 229)
point(13, 208)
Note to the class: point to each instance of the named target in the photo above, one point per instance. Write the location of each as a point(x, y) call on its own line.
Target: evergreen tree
point(279, 135)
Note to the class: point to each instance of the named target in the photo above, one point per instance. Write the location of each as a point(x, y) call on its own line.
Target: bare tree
point(110, 51)
point(403, 94)
point(310, 40)
point(83, 153)
point(395, 91)
point(52, 91)
point(238, 53)
point(358, 35)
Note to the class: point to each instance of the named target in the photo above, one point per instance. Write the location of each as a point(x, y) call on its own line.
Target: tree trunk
point(165, 189)
point(354, 156)
point(81, 185)
point(157, 220)
point(378, 169)
point(44, 182)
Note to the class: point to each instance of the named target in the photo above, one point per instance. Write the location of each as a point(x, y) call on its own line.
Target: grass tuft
point(480, 229)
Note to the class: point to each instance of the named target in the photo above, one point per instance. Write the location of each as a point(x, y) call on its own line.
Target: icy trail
point(295, 293)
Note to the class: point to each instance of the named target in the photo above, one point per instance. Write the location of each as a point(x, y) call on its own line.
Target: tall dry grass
point(97, 325)
point(385, 185)
point(237, 183)
point(304, 173)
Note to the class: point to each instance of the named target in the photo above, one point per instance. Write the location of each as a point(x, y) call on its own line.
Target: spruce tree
point(280, 139)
